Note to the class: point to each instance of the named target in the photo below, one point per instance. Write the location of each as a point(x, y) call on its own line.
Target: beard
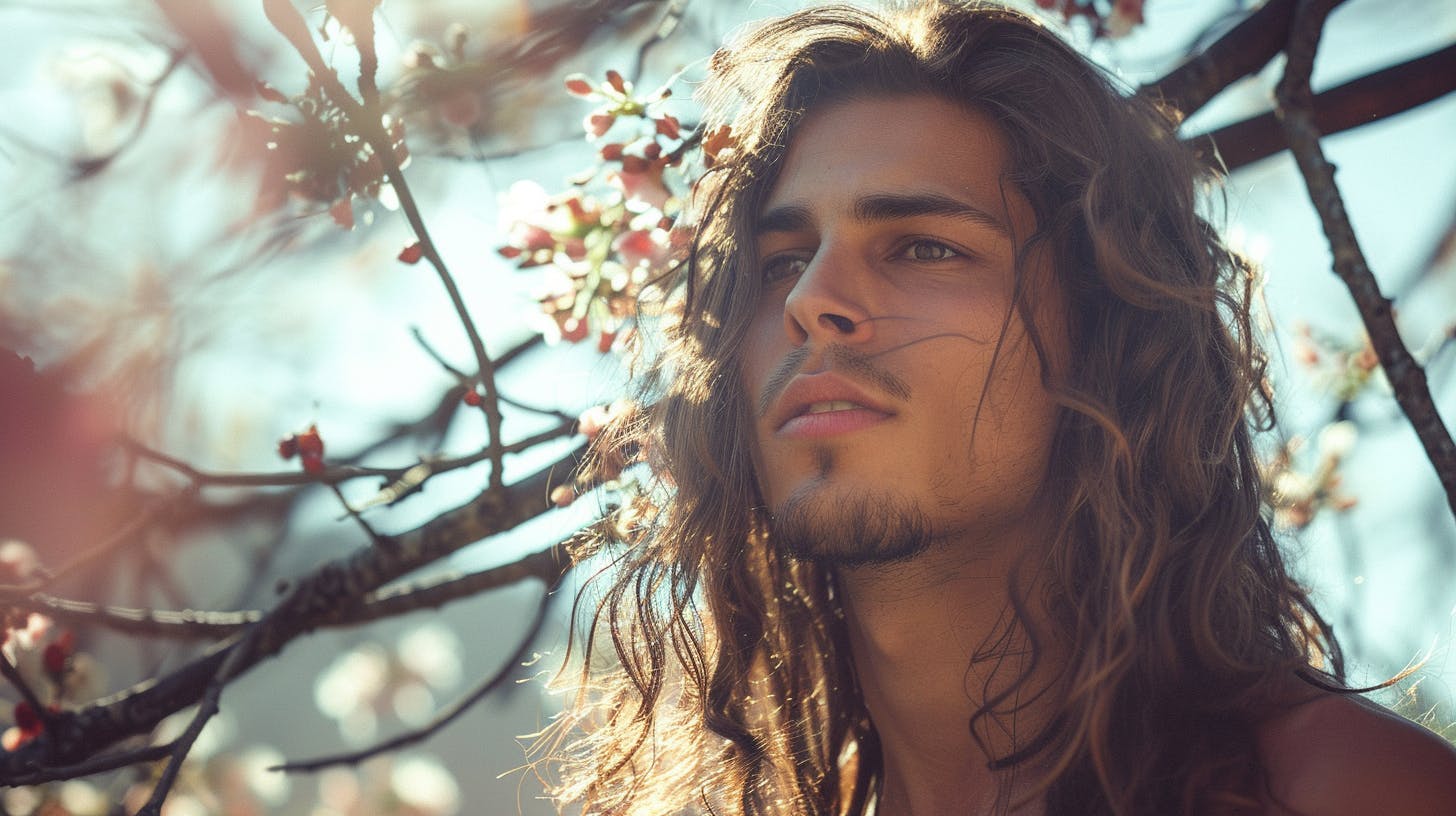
point(850, 531)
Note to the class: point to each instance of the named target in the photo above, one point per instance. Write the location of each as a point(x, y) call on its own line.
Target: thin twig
point(444, 718)
point(374, 536)
point(291, 25)
point(671, 19)
point(338, 473)
point(205, 711)
point(435, 355)
point(470, 381)
point(1407, 378)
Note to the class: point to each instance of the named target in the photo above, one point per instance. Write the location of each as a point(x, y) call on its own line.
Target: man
point(962, 512)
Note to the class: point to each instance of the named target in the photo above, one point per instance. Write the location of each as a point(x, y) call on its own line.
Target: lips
point(821, 404)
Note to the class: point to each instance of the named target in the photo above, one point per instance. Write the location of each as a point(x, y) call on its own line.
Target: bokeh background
point(167, 291)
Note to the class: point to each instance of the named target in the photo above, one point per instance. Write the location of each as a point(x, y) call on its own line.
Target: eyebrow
point(883, 207)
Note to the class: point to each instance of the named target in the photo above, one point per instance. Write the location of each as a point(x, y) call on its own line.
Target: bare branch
point(1407, 378)
point(95, 765)
point(1368, 99)
point(444, 718)
point(1245, 49)
point(321, 598)
point(184, 624)
point(547, 566)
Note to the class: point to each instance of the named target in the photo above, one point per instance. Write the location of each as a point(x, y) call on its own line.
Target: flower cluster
point(1115, 21)
point(44, 655)
point(1343, 368)
point(605, 427)
point(599, 249)
point(318, 156)
point(1298, 495)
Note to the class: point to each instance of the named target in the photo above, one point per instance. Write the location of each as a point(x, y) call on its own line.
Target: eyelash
point(773, 273)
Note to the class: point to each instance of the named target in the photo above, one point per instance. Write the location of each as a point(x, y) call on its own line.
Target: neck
point(934, 639)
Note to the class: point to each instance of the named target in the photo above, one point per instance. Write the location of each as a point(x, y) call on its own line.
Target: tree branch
point(1406, 377)
point(1244, 50)
point(320, 598)
point(1368, 99)
point(547, 565)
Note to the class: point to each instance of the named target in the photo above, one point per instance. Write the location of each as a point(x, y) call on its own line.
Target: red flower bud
point(312, 464)
point(510, 252)
point(652, 151)
point(27, 719)
point(573, 330)
point(54, 658)
point(412, 253)
point(343, 213)
point(471, 398)
point(615, 80)
point(310, 443)
point(288, 446)
point(605, 340)
point(612, 152)
point(634, 164)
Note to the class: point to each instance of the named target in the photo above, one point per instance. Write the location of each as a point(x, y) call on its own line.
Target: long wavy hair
point(728, 686)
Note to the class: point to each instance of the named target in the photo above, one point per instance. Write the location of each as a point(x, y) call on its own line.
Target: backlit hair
point(729, 685)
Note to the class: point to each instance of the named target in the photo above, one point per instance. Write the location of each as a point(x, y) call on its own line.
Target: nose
point(827, 303)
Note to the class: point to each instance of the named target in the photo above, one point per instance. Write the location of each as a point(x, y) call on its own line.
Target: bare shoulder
point(1336, 754)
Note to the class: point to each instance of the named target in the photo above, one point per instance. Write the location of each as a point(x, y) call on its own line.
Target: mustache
point(842, 358)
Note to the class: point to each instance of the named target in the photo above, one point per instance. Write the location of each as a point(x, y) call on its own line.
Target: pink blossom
point(641, 247)
point(646, 187)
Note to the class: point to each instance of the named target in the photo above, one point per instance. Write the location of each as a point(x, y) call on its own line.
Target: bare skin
point(893, 246)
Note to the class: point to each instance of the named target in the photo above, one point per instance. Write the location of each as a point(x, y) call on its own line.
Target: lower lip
point(830, 423)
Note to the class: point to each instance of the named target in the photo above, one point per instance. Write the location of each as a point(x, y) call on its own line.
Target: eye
point(781, 267)
point(924, 249)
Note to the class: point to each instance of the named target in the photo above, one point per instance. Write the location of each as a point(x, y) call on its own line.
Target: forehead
point(919, 145)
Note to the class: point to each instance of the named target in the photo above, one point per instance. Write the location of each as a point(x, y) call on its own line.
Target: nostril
point(842, 323)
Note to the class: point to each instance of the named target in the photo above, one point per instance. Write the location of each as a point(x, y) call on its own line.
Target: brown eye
point(929, 251)
point(781, 267)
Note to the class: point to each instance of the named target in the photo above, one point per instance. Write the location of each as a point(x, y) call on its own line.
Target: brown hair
point(734, 687)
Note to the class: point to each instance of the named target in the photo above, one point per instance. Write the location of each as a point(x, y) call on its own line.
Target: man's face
point(896, 398)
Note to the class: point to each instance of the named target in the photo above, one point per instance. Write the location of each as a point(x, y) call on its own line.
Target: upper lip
point(807, 389)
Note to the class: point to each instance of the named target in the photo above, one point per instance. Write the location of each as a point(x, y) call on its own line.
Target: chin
point(849, 528)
